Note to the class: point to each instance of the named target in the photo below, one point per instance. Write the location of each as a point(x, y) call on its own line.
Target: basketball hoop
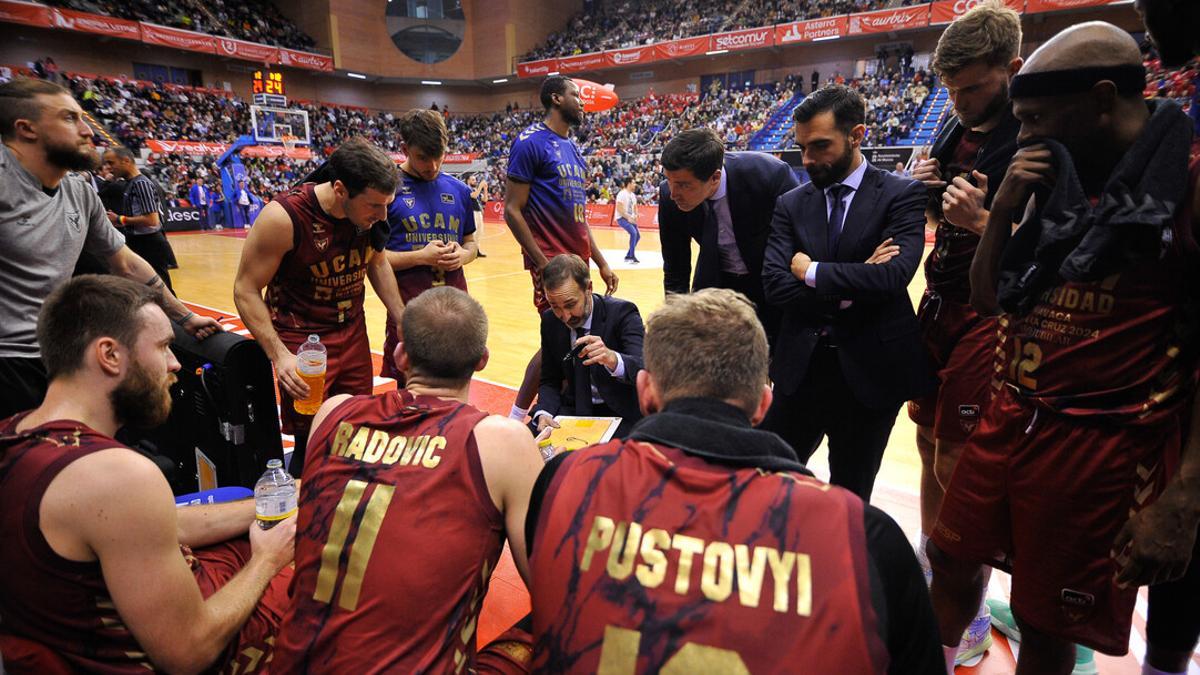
point(289, 142)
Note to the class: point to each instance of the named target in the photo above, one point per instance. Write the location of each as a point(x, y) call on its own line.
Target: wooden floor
point(208, 262)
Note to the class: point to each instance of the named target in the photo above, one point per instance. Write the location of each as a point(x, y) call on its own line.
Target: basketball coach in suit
point(591, 349)
point(723, 201)
point(839, 258)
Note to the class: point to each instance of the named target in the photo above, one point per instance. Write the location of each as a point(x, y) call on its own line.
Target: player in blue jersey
point(432, 224)
point(545, 203)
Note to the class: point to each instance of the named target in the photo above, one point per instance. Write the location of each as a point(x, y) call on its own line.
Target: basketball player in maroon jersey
point(311, 248)
point(407, 500)
point(1060, 481)
point(976, 57)
point(635, 545)
point(97, 560)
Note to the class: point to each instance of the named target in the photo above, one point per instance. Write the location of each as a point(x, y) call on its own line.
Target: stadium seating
point(903, 108)
point(254, 20)
point(613, 24)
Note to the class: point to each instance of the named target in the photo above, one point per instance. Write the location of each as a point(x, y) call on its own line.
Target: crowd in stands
point(621, 142)
point(137, 111)
point(1177, 84)
point(253, 20)
point(893, 100)
point(615, 24)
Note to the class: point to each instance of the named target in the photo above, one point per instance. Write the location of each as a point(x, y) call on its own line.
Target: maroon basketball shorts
point(347, 371)
point(961, 344)
point(539, 296)
point(1044, 496)
point(251, 651)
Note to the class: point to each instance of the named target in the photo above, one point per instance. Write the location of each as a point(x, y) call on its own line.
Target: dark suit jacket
point(879, 348)
point(754, 181)
point(619, 324)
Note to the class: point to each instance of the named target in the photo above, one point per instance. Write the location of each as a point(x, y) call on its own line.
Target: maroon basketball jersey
point(646, 559)
point(949, 263)
point(62, 604)
point(1118, 347)
point(320, 282)
point(416, 280)
point(398, 540)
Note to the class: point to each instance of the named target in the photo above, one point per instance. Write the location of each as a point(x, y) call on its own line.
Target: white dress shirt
point(853, 181)
point(617, 372)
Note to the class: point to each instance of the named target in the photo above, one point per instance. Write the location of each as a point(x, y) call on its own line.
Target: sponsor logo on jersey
point(321, 244)
point(1077, 598)
point(447, 198)
point(410, 202)
point(968, 417)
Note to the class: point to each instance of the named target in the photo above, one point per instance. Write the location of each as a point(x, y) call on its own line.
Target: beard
point(141, 402)
point(73, 157)
point(993, 108)
point(824, 175)
point(572, 117)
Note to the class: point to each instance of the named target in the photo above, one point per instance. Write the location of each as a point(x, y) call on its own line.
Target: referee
point(140, 217)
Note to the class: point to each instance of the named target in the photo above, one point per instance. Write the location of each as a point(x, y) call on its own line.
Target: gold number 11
point(360, 550)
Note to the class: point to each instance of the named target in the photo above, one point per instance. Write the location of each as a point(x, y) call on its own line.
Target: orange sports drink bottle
point(310, 363)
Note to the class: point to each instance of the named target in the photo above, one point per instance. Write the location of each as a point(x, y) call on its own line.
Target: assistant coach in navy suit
point(839, 258)
point(723, 201)
point(591, 349)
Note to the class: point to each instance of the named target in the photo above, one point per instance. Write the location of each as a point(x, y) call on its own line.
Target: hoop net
point(289, 142)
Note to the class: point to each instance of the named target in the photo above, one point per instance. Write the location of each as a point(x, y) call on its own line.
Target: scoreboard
point(267, 89)
point(268, 82)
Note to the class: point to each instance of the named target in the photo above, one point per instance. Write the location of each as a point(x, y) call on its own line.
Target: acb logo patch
point(968, 417)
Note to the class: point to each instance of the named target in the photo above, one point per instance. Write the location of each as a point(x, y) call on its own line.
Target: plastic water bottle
point(274, 495)
point(310, 362)
point(546, 447)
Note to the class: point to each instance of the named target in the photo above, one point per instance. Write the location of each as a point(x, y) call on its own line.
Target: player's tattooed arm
point(199, 326)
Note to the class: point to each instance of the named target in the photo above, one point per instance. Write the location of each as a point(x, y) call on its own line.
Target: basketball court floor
point(208, 263)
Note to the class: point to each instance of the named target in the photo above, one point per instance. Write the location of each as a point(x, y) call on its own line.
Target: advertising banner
point(752, 38)
point(574, 64)
point(890, 20)
point(945, 11)
point(111, 26)
point(26, 13)
point(292, 57)
point(631, 56)
point(249, 51)
point(814, 29)
point(177, 38)
point(493, 212)
point(177, 218)
point(298, 152)
point(537, 68)
point(1036, 6)
point(600, 215)
point(186, 147)
point(678, 49)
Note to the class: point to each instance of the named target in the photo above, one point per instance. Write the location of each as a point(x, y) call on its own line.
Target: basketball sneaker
point(1006, 623)
point(976, 640)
